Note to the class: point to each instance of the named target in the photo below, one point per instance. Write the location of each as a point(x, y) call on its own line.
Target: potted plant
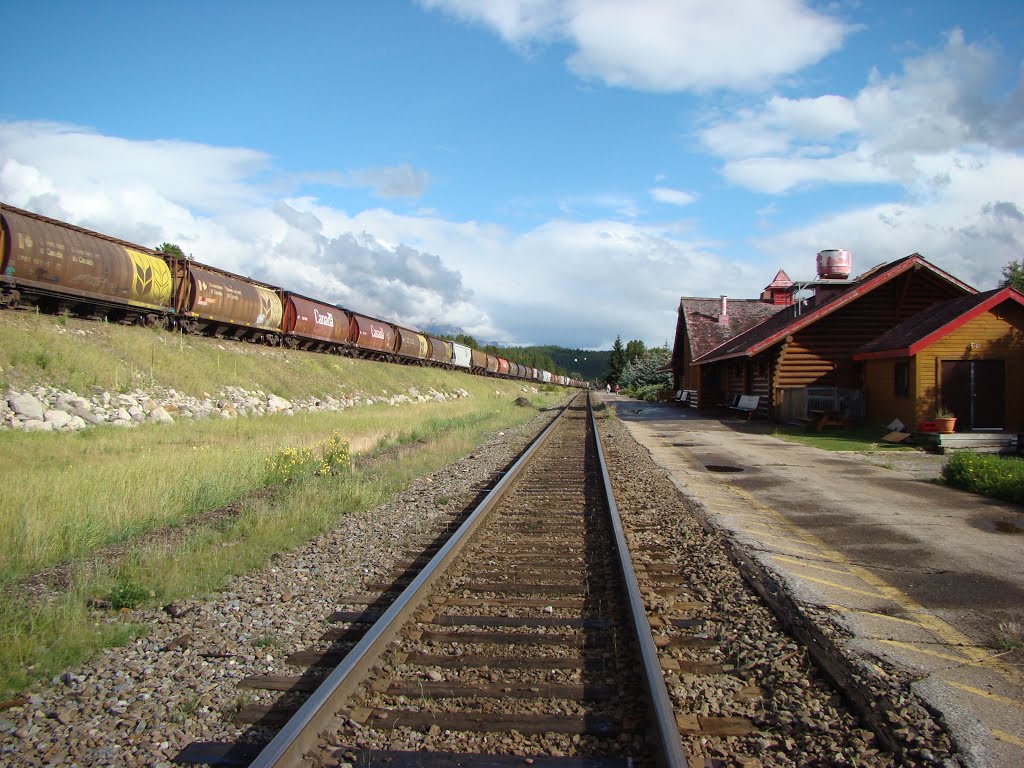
point(945, 420)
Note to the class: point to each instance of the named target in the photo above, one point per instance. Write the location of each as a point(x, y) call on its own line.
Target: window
point(901, 379)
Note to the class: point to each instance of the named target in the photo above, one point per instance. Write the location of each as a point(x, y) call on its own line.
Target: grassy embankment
point(68, 500)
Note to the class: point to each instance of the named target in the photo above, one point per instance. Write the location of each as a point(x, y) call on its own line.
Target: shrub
point(127, 594)
point(986, 474)
point(328, 457)
point(648, 393)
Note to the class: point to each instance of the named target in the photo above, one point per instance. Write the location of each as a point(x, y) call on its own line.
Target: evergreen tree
point(635, 349)
point(617, 362)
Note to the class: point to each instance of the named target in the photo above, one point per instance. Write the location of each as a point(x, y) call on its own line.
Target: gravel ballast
point(142, 704)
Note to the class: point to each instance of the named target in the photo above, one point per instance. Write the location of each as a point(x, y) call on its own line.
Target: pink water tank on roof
point(834, 264)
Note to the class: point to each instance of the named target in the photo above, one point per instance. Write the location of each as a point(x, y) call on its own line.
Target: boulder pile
point(44, 408)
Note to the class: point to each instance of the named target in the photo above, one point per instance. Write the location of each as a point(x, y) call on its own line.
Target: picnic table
point(822, 419)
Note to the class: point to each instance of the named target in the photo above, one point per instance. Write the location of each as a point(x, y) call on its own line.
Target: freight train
point(59, 267)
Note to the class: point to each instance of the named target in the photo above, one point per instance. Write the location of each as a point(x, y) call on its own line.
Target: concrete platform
point(919, 575)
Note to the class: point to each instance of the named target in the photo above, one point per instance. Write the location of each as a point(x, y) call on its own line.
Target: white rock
point(86, 415)
point(160, 414)
point(57, 418)
point(275, 403)
point(27, 406)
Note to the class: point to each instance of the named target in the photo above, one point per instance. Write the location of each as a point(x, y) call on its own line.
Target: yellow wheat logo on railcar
point(270, 308)
point(151, 280)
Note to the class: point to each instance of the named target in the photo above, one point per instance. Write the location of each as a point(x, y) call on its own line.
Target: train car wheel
point(11, 299)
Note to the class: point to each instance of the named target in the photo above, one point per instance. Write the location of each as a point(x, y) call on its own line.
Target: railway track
point(530, 636)
point(521, 636)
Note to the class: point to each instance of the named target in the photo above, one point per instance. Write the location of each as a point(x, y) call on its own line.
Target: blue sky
point(531, 171)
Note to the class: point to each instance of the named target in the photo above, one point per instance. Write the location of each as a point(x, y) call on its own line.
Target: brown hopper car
point(311, 324)
point(56, 266)
point(69, 267)
point(217, 302)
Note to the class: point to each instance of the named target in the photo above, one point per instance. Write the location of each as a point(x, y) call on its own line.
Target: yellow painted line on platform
point(1008, 737)
point(792, 542)
point(972, 662)
point(945, 632)
point(765, 528)
point(992, 696)
point(814, 566)
point(752, 518)
point(874, 614)
point(842, 587)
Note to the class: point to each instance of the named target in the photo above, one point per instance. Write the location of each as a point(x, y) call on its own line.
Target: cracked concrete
point(917, 575)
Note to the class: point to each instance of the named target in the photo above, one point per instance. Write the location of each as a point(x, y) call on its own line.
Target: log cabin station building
point(899, 341)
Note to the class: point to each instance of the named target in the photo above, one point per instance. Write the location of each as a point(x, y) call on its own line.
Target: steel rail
point(301, 731)
point(668, 746)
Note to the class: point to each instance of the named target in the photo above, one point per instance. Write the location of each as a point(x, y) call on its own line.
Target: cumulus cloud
point(568, 282)
point(672, 196)
point(666, 45)
point(971, 230)
point(941, 104)
point(564, 282)
point(940, 133)
point(397, 181)
point(217, 204)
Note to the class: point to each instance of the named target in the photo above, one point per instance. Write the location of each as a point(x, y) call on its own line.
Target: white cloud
point(517, 21)
point(564, 282)
point(397, 181)
point(939, 133)
point(972, 229)
point(935, 107)
point(667, 45)
point(672, 196)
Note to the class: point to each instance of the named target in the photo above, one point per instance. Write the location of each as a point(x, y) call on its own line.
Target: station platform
point(920, 576)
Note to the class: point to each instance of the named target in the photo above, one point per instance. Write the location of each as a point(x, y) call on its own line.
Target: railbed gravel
point(802, 719)
point(142, 704)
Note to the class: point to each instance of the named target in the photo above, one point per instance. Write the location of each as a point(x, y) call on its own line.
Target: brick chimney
point(723, 311)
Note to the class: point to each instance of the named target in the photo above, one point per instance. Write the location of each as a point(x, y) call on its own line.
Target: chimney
point(723, 312)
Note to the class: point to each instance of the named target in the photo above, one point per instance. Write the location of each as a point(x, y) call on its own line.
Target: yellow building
point(964, 355)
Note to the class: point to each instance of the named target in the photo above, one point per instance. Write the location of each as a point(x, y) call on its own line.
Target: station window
point(901, 379)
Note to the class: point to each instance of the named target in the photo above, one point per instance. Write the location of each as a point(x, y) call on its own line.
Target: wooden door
point(975, 391)
point(989, 384)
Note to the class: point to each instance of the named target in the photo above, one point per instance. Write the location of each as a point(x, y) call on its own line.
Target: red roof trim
point(914, 260)
point(1006, 294)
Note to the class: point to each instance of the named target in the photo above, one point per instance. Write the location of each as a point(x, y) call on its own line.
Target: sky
point(526, 171)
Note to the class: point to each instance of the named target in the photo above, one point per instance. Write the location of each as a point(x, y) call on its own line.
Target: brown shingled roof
point(701, 318)
point(931, 324)
point(798, 316)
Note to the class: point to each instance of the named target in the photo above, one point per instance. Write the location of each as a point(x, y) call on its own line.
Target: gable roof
point(700, 318)
point(798, 316)
point(781, 280)
point(931, 324)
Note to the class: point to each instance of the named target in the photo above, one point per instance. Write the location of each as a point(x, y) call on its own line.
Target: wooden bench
point(747, 404)
point(687, 397)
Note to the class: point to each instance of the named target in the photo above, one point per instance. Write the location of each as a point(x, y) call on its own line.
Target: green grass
point(1001, 477)
point(79, 355)
point(70, 498)
point(861, 438)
